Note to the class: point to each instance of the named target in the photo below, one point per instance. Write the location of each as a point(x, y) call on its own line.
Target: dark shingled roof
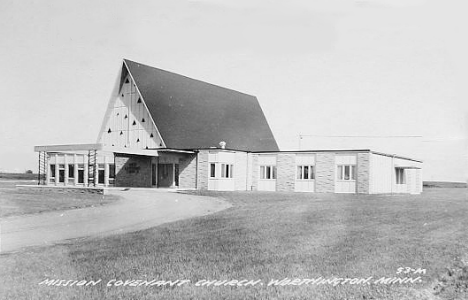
point(192, 114)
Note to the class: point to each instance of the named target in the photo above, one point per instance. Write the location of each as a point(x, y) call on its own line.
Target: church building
point(165, 130)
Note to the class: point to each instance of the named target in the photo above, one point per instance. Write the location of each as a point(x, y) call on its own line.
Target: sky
point(389, 75)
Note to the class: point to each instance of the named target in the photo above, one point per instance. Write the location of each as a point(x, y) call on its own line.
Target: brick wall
point(132, 170)
point(188, 172)
point(363, 169)
point(202, 176)
point(285, 168)
point(325, 173)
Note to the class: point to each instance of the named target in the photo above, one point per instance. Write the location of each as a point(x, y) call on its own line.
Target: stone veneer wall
point(285, 172)
point(325, 172)
point(132, 170)
point(202, 167)
point(363, 170)
point(188, 172)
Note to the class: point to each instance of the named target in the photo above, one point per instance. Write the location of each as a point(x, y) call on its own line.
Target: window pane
point(340, 172)
point(353, 172)
point(346, 172)
point(111, 171)
point(312, 172)
point(80, 176)
point(71, 171)
point(306, 172)
point(223, 170)
point(262, 172)
point(274, 172)
point(230, 171)
point(227, 171)
point(52, 171)
point(268, 172)
point(212, 170)
point(299, 172)
point(61, 175)
point(101, 176)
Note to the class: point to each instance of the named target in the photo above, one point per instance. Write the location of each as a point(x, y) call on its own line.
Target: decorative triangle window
point(121, 133)
point(109, 131)
point(143, 120)
point(139, 100)
point(134, 123)
point(151, 135)
point(125, 117)
point(138, 140)
point(126, 81)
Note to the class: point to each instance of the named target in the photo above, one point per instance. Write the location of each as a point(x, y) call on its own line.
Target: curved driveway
point(138, 209)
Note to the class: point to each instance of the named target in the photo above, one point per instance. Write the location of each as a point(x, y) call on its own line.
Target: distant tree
point(29, 172)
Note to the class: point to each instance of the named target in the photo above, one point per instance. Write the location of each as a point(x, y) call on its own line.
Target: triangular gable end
point(128, 123)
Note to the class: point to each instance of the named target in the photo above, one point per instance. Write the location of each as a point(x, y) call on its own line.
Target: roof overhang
point(407, 167)
point(71, 147)
point(103, 148)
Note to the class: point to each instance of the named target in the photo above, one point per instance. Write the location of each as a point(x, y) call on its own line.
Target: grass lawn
point(267, 236)
point(19, 202)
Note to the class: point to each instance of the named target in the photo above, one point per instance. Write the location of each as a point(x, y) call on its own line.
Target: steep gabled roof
point(192, 114)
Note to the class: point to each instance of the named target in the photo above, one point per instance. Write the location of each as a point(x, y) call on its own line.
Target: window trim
point(218, 170)
point(300, 175)
point(267, 172)
point(400, 176)
point(341, 176)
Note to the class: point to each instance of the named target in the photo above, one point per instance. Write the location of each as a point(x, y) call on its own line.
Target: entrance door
point(165, 175)
point(153, 174)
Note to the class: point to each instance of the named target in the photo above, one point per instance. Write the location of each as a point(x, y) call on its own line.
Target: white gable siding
point(126, 112)
point(383, 175)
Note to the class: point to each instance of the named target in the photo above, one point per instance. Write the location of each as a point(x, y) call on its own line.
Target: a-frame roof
point(192, 114)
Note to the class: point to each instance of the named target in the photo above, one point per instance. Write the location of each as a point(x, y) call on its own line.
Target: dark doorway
point(165, 175)
point(168, 175)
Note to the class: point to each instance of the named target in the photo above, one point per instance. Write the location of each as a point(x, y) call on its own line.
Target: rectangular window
point(346, 172)
point(267, 172)
point(212, 170)
point(52, 171)
point(111, 173)
point(101, 171)
point(305, 172)
point(61, 173)
point(71, 171)
point(226, 171)
point(80, 173)
point(400, 176)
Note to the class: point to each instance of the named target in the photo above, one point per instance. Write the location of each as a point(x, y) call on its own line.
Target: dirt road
point(138, 209)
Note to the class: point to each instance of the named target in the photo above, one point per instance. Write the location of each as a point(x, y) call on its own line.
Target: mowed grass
point(15, 202)
point(268, 236)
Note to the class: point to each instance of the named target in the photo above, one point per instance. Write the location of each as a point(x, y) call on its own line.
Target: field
point(19, 202)
point(267, 236)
